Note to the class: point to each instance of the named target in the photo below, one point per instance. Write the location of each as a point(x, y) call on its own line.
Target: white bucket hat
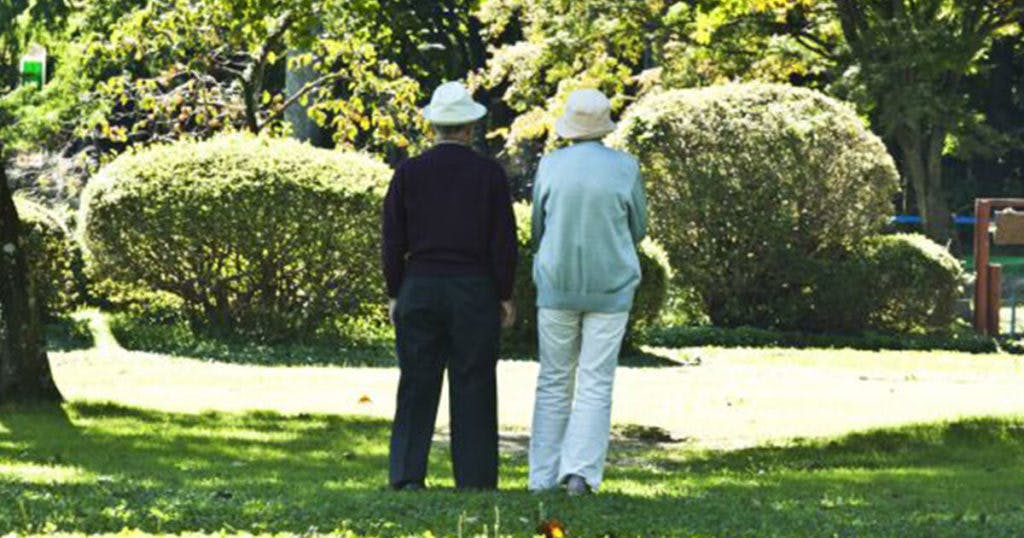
point(451, 104)
point(588, 114)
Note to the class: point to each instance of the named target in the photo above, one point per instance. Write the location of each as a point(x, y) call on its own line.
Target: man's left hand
point(392, 307)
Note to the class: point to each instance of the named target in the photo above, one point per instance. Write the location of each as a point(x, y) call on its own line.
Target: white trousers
point(572, 413)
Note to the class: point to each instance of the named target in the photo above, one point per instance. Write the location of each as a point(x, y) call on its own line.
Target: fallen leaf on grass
point(364, 399)
point(551, 528)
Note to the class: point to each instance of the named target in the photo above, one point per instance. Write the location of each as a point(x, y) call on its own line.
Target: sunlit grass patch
point(101, 468)
point(35, 473)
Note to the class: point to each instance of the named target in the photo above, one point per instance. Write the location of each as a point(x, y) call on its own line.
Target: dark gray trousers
point(451, 322)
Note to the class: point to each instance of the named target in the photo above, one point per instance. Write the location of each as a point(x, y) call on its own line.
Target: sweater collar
point(451, 143)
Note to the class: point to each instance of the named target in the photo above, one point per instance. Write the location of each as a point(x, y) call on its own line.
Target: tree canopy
point(131, 72)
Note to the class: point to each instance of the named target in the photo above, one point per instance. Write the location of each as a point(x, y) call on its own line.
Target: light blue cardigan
point(589, 213)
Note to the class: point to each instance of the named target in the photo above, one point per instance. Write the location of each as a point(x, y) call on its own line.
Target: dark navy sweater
point(448, 212)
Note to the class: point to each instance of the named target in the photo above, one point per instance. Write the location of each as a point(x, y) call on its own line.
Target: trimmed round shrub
point(268, 238)
point(916, 282)
point(748, 184)
point(903, 283)
point(51, 255)
point(648, 303)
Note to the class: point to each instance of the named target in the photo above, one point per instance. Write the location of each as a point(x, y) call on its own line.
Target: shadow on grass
point(962, 339)
point(179, 341)
point(101, 468)
point(634, 358)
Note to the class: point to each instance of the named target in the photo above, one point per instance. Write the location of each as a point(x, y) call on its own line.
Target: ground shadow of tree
point(101, 468)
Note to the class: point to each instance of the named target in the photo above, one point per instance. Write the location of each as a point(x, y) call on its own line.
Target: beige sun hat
point(452, 104)
point(588, 114)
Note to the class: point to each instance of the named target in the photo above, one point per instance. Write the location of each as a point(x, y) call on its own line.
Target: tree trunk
point(922, 163)
point(303, 127)
point(252, 110)
point(24, 367)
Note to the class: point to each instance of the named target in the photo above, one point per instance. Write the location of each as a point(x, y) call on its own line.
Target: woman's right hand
point(508, 314)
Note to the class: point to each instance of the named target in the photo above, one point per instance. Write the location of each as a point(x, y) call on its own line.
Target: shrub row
point(266, 239)
point(769, 201)
point(753, 337)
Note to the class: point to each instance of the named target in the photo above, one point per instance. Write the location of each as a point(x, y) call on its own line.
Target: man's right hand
point(508, 314)
point(392, 304)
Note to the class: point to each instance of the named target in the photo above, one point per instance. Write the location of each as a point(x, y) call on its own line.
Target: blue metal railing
point(916, 219)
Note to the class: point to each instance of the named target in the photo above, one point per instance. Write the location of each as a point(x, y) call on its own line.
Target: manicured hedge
point(268, 238)
point(749, 185)
point(902, 283)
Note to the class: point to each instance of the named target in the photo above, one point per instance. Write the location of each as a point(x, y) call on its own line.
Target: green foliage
point(650, 298)
point(105, 468)
point(544, 49)
point(912, 58)
point(260, 237)
point(139, 302)
point(51, 254)
point(918, 283)
point(433, 41)
point(684, 306)
point(717, 41)
point(563, 46)
point(69, 334)
point(18, 20)
point(652, 294)
point(184, 68)
point(903, 283)
point(910, 61)
point(748, 184)
point(49, 119)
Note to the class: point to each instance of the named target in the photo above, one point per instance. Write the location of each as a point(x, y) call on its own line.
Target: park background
point(198, 185)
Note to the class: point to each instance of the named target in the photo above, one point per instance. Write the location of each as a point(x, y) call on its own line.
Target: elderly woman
point(589, 212)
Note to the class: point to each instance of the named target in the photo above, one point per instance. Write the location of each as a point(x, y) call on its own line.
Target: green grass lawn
point(94, 468)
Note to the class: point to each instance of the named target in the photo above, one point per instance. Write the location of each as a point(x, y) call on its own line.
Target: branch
point(995, 18)
point(308, 87)
point(283, 23)
point(851, 18)
point(253, 75)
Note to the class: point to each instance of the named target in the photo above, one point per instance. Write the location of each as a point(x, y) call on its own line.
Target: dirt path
point(732, 398)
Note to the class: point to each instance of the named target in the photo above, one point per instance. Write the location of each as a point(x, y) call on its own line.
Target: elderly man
point(449, 262)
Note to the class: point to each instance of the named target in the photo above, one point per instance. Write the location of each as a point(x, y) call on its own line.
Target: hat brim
point(466, 114)
point(565, 128)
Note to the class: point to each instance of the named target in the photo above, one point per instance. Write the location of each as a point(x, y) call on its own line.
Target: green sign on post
point(33, 66)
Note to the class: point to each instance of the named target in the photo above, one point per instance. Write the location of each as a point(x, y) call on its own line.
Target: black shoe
point(410, 486)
